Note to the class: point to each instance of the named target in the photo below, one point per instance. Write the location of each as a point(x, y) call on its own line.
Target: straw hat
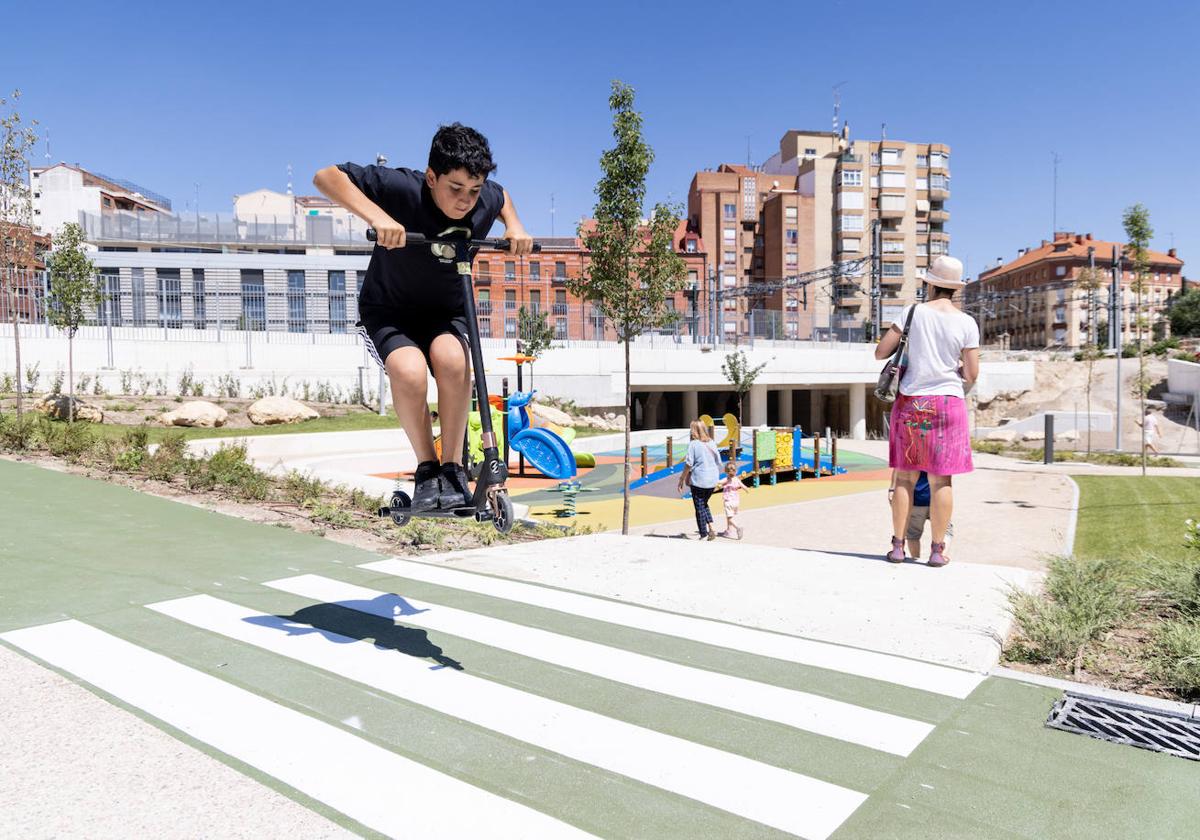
point(945, 272)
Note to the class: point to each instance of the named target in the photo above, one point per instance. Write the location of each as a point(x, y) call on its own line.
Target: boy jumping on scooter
point(411, 309)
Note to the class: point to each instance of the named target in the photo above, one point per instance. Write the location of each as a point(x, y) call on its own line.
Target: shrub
point(331, 514)
point(17, 435)
point(169, 458)
point(56, 384)
point(71, 441)
point(1176, 655)
point(299, 488)
point(989, 447)
point(32, 375)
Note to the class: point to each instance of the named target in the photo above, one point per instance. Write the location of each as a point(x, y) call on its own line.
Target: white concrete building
point(62, 192)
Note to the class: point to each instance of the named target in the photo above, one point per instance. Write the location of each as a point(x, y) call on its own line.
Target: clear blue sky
point(227, 95)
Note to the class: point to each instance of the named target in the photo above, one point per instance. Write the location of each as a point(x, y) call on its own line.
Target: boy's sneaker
point(426, 487)
point(456, 492)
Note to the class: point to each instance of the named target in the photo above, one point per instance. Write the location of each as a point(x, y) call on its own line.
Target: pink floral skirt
point(930, 434)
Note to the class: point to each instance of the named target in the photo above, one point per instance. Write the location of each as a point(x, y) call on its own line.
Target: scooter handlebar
point(418, 239)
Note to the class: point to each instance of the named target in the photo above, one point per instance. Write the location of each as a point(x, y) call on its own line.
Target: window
point(170, 298)
point(560, 270)
point(939, 182)
point(851, 244)
point(730, 211)
point(893, 246)
point(510, 327)
point(791, 259)
point(535, 301)
point(852, 223)
point(850, 200)
point(937, 246)
point(730, 257)
point(729, 235)
point(789, 214)
point(535, 272)
point(922, 227)
point(922, 183)
point(485, 270)
point(891, 201)
point(254, 300)
point(693, 278)
point(483, 303)
point(874, 182)
point(138, 292)
point(892, 179)
point(560, 329)
point(689, 246)
point(893, 269)
point(922, 249)
point(851, 177)
point(792, 236)
point(297, 305)
point(199, 307)
point(939, 159)
point(891, 156)
point(110, 307)
point(510, 270)
point(560, 302)
point(922, 160)
point(874, 158)
point(510, 299)
point(337, 301)
point(810, 152)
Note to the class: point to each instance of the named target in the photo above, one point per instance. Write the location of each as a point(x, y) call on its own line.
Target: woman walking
point(701, 471)
point(929, 431)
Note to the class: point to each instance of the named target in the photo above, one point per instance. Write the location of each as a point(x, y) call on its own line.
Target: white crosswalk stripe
point(809, 712)
point(380, 789)
point(926, 676)
point(775, 797)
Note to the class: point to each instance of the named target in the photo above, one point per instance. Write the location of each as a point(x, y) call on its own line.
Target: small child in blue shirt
point(919, 515)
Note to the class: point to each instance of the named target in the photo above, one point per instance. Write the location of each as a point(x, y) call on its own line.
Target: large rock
point(1033, 435)
point(549, 414)
point(270, 411)
point(58, 406)
point(1002, 435)
point(195, 413)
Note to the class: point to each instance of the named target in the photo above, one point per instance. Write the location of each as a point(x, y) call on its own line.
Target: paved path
point(388, 697)
point(1005, 514)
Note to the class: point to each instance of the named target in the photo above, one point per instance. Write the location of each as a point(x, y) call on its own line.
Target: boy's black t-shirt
point(413, 277)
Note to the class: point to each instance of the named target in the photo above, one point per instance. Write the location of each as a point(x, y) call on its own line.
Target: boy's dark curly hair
point(457, 146)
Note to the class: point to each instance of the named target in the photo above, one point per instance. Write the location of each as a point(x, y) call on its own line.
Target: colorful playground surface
point(598, 502)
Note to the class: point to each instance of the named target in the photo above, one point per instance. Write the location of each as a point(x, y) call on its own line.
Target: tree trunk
point(1088, 400)
point(628, 423)
point(1141, 372)
point(70, 378)
point(12, 304)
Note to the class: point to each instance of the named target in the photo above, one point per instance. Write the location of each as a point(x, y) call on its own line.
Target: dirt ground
point(1061, 385)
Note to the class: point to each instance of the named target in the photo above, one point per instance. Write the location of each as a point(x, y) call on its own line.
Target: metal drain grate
point(1126, 723)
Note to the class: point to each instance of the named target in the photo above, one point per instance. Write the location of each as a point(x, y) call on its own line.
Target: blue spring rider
point(542, 448)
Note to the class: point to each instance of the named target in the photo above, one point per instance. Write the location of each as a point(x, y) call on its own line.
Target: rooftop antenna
point(552, 211)
point(837, 106)
point(47, 147)
point(883, 131)
point(289, 180)
point(1054, 231)
point(381, 159)
point(748, 136)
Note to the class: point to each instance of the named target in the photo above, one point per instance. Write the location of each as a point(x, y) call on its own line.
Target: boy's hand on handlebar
point(389, 233)
point(521, 241)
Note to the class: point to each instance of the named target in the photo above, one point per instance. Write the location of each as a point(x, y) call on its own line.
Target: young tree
point(1136, 221)
point(633, 267)
point(1090, 280)
point(16, 216)
point(535, 333)
point(73, 287)
point(736, 368)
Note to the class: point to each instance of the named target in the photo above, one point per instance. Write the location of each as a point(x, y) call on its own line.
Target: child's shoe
point(426, 487)
point(896, 555)
point(739, 532)
point(456, 491)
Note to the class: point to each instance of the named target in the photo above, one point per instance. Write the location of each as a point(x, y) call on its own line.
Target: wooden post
point(817, 455)
point(645, 462)
point(754, 452)
point(670, 453)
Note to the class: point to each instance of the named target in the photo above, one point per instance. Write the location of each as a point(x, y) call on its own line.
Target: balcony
point(559, 279)
point(847, 157)
point(891, 212)
point(939, 215)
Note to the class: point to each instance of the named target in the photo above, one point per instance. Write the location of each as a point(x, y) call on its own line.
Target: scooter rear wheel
point(502, 513)
point(401, 507)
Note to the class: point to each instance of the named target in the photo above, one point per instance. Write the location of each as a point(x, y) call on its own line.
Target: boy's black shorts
point(385, 330)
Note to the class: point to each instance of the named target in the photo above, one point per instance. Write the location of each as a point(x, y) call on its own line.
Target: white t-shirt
point(935, 344)
point(1150, 425)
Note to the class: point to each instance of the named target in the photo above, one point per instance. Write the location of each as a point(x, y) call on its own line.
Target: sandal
point(937, 557)
point(896, 555)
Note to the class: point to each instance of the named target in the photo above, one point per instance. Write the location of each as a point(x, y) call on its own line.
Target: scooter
point(490, 501)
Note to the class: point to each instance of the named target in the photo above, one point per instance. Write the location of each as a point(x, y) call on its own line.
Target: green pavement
point(98, 553)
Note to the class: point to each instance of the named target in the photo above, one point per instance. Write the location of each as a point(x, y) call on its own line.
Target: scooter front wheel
point(401, 507)
point(502, 513)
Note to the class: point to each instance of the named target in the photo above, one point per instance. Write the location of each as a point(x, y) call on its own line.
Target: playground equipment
point(544, 449)
point(770, 454)
point(570, 491)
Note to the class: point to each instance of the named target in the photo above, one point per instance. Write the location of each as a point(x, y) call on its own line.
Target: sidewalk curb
point(1069, 536)
point(1189, 709)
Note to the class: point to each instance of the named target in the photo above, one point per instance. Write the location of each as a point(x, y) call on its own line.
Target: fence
point(292, 307)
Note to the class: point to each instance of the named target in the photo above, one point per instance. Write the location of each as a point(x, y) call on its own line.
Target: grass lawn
point(358, 421)
point(1124, 516)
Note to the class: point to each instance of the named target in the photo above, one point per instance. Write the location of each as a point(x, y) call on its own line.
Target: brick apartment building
point(812, 204)
point(1033, 301)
